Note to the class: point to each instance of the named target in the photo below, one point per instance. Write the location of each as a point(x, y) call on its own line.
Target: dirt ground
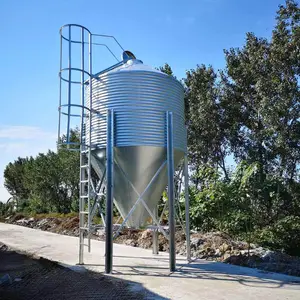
point(39, 279)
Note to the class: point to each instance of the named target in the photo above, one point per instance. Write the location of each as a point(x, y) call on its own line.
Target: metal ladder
point(85, 191)
point(89, 195)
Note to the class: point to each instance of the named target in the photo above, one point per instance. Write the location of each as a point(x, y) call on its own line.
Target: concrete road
point(198, 280)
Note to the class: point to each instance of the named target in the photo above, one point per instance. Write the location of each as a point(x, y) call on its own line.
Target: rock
point(207, 249)
point(260, 251)
point(235, 252)
point(277, 257)
point(242, 246)
point(100, 232)
point(235, 260)
point(31, 219)
point(42, 222)
point(116, 227)
point(196, 242)
point(22, 222)
point(199, 253)
point(224, 247)
point(3, 247)
point(146, 234)
point(130, 243)
point(218, 252)
point(226, 256)
point(201, 250)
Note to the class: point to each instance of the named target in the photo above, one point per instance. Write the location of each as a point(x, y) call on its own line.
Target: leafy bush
point(37, 206)
point(284, 235)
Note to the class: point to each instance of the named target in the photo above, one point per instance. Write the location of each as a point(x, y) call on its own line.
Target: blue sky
point(181, 33)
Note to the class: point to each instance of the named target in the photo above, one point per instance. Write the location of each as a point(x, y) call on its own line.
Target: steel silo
point(131, 133)
point(140, 96)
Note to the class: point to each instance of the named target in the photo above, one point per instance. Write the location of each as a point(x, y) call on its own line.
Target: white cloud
point(22, 141)
point(9, 147)
point(23, 132)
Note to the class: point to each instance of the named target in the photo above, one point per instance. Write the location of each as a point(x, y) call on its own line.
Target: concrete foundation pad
point(199, 279)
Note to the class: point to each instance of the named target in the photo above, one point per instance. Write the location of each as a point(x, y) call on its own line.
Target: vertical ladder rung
point(84, 166)
point(85, 181)
point(84, 228)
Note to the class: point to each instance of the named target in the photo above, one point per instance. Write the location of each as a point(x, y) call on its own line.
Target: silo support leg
point(109, 193)
point(155, 234)
point(187, 208)
point(171, 194)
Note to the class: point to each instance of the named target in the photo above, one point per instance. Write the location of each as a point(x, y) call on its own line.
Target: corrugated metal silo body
point(140, 97)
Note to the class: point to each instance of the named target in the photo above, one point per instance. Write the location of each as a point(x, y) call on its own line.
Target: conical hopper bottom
point(140, 163)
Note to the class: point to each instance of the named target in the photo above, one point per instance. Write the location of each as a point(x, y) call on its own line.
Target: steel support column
point(155, 233)
point(171, 194)
point(187, 208)
point(109, 192)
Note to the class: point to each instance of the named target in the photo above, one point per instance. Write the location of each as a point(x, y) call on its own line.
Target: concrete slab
point(198, 280)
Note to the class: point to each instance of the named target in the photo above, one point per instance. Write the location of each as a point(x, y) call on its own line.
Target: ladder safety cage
point(89, 196)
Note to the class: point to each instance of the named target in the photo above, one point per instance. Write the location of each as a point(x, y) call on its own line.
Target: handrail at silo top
point(82, 42)
point(109, 36)
point(75, 25)
point(87, 43)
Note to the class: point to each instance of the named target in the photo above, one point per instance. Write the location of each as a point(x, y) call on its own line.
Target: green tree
point(14, 182)
point(52, 179)
point(166, 68)
point(48, 182)
point(261, 81)
point(207, 140)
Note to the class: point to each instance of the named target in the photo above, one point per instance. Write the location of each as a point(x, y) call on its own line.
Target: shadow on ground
point(41, 279)
point(207, 270)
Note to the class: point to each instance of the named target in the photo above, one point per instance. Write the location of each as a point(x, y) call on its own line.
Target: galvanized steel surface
point(140, 165)
point(140, 97)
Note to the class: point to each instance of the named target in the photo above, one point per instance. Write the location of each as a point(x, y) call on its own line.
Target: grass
point(54, 215)
point(21, 215)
